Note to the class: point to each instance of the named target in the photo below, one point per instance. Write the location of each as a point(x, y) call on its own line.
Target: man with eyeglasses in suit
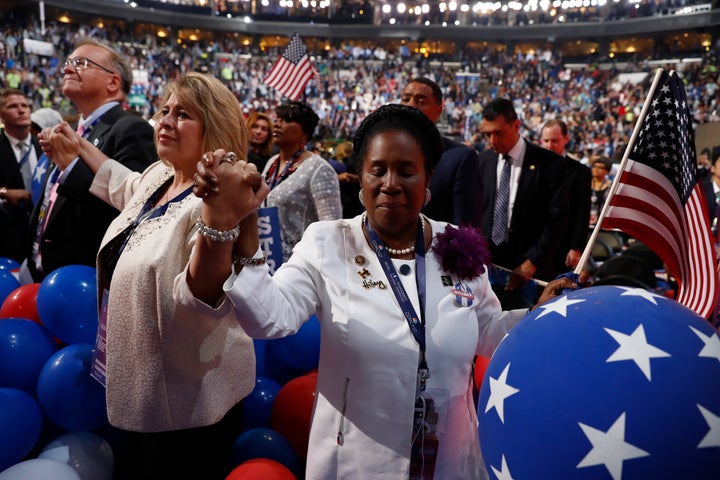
point(69, 222)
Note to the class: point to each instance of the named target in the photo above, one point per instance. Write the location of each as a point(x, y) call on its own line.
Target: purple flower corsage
point(463, 250)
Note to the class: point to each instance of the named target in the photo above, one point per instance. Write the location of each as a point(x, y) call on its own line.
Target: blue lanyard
point(87, 130)
point(148, 212)
point(416, 323)
point(279, 177)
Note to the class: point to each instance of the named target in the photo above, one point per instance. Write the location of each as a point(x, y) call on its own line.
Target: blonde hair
point(218, 109)
point(343, 151)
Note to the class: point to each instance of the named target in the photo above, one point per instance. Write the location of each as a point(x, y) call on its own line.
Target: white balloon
point(40, 469)
point(88, 454)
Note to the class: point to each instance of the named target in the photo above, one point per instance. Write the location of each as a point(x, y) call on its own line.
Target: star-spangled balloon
point(608, 383)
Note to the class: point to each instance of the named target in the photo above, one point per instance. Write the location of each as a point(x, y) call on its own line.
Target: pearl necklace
point(402, 251)
point(393, 251)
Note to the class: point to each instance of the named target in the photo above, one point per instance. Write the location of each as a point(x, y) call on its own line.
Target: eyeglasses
point(79, 63)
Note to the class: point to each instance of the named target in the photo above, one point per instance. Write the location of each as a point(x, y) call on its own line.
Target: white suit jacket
point(368, 355)
point(173, 362)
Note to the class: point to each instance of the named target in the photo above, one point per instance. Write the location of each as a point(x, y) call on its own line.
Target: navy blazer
point(455, 186)
point(578, 180)
point(710, 199)
point(78, 220)
point(13, 219)
point(539, 216)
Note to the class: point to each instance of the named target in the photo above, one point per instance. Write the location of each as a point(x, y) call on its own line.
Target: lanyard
point(87, 130)
point(146, 213)
point(416, 323)
point(274, 180)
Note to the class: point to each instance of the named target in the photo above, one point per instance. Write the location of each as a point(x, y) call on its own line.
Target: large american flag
point(658, 199)
point(292, 71)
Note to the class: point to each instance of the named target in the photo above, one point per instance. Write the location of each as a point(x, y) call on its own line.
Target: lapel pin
point(463, 295)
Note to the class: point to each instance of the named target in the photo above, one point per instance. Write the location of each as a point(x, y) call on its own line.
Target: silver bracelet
point(250, 261)
point(217, 235)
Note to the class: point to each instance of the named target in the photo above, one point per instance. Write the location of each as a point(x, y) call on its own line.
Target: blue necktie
point(24, 164)
point(502, 200)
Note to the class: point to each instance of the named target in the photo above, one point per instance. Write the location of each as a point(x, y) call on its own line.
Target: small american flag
point(292, 71)
point(658, 199)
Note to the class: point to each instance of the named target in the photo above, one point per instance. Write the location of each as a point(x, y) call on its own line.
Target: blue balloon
point(299, 352)
point(20, 425)
point(604, 382)
point(257, 406)
point(68, 395)
point(67, 304)
point(8, 284)
point(24, 349)
point(264, 443)
point(8, 264)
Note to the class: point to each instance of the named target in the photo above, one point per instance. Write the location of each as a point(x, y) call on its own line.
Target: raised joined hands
point(231, 189)
point(61, 144)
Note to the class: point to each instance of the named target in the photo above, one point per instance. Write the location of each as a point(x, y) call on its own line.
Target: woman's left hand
point(554, 289)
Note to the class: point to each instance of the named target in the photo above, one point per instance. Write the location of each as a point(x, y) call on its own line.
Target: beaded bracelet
point(217, 235)
point(249, 261)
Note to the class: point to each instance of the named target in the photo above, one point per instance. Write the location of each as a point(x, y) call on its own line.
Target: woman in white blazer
point(404, 304)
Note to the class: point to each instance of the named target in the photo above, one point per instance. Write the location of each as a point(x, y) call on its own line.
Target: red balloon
point(481, 364)
point(292, 412)
point(21, 303)
point(261, 468)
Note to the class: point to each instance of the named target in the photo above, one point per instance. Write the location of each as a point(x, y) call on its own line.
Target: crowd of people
point(168, 214)
point(354, 81)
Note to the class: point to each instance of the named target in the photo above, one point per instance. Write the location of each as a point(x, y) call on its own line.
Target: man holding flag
point(292, 71)
point(657, 198)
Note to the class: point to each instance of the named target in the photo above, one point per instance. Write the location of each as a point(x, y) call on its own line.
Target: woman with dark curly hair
point(404, 304)
point(303, 185)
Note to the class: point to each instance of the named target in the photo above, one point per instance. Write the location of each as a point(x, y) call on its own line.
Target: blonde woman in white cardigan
point(176, 360)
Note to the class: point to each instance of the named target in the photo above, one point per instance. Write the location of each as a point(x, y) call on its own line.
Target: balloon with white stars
point(605, 382)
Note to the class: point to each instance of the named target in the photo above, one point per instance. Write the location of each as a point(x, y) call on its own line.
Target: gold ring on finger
point(230, 158)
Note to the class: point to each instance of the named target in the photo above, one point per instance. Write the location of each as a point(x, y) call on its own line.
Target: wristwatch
point(3, 193)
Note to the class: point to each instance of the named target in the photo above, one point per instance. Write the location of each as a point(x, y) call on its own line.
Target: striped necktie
point(24, 164)
point(502, 201)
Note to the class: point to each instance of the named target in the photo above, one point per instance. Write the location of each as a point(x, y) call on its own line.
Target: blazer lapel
point(97, 136)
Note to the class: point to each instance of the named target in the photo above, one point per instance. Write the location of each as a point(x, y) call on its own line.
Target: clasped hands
point(61, 144)
point(231, 189)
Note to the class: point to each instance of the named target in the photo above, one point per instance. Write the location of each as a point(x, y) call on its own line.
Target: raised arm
point(62, 145)
point(231, 191)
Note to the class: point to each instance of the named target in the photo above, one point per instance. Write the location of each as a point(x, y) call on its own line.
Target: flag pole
point(615, 184)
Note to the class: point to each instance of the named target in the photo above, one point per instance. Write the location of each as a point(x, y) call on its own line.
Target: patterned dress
point(310, 193)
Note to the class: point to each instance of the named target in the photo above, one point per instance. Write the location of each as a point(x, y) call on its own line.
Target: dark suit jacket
point(578, 181)
point(455, 186)
point(13, 219)
point(258, 160)
point(710, 199)
point(78, 220)
point(539, 215)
